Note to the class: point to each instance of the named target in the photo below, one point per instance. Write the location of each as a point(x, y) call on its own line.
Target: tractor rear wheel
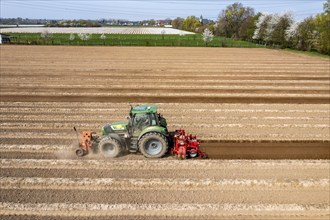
point(153, 145)
point(110, 147)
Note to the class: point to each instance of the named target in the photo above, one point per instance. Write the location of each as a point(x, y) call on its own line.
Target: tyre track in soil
point(229, 149)
point(157, 90)
point(189, 211)
point(168, 195)
point(164, 99)
point(96, 167)
point(81, 106)
point(185, 184)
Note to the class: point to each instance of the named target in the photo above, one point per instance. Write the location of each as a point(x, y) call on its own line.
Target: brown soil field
point(263, 116)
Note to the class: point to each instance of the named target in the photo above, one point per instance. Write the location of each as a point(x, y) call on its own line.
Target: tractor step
point(133, 148)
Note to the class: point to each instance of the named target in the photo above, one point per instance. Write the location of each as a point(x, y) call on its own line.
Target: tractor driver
point(141, 121)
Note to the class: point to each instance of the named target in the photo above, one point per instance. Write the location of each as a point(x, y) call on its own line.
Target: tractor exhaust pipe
point(74, 128)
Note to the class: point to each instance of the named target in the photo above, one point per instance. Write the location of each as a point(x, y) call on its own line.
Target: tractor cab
point(145, 116)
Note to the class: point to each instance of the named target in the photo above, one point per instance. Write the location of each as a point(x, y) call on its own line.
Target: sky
point(135, 10)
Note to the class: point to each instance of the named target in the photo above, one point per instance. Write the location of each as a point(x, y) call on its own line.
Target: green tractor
point(144, 131)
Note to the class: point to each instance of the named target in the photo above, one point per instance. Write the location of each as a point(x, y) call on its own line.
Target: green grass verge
point(130, 40)
point(308, 53)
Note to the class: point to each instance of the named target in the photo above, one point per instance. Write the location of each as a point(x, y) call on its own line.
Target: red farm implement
point(186, 145)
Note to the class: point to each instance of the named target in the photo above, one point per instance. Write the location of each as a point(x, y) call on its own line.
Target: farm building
point(5, 39)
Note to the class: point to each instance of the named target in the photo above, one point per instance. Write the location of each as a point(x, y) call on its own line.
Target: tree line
point(74, 23)
point(280, 30)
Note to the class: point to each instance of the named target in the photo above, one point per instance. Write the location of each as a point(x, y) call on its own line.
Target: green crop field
point(129, 40)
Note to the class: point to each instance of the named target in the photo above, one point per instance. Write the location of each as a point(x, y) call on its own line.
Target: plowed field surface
point(266, 105)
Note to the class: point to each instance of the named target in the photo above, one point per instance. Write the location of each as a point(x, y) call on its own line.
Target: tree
point(45, 35)
point(163, 32)
point(322, 26)
point(291, 34)
point(212, 27)
point(103, 37)
point(278, 26)
point(246, 31)
point(191, 23)
point(272, 28)
point(152, 22)
point(231, 19)
point(178, 23)
point(302, 36)
point(84, 37)
point(326, 7)
point(72, 37)
point(260, 32)
point(207, 36)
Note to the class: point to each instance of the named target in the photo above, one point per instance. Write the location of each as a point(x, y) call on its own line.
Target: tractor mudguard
point(157, 129)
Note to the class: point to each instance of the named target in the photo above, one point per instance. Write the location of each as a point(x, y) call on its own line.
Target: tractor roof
point(142, 109)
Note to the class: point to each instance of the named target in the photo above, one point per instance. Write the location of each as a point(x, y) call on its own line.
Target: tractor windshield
point(141, 121)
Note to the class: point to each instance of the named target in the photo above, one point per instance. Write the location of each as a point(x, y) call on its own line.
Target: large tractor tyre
point(153, 145)
point(110, 147)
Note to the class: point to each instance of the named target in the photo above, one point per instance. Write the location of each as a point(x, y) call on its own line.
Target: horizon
point(137, 10)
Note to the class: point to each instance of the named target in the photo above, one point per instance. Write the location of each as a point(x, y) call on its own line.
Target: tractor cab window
point(141, 120)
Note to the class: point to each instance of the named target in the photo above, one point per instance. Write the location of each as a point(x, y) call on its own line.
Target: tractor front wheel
point(153, 145)
point(110, 147)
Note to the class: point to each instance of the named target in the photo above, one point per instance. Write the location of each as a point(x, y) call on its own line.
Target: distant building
point(206, 21)
point(5, 39)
